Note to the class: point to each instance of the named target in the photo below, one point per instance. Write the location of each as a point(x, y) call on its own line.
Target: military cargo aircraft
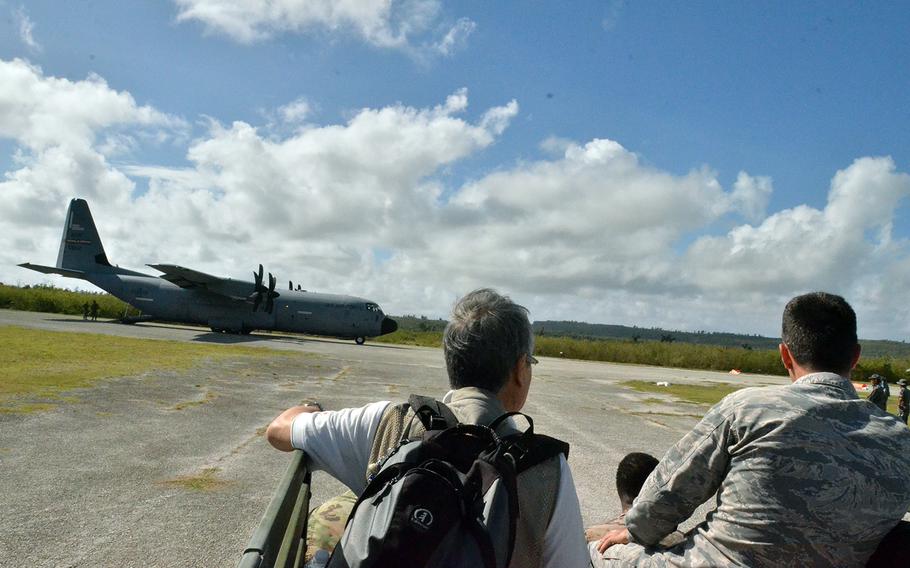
point(225, 305)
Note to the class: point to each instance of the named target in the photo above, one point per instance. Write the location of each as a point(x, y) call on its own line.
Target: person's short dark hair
point(819, 329)
point(482, 342)
point(631, 474)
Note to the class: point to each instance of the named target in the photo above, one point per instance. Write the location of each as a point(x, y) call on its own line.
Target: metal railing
point(279, 541)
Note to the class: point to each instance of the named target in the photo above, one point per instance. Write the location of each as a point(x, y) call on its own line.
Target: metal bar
point(285, 513)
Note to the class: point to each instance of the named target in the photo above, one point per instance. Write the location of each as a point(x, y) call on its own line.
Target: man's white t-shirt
point(339, 442)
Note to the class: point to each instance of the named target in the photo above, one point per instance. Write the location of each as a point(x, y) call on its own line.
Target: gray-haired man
point(806, 474)
point(488, 347)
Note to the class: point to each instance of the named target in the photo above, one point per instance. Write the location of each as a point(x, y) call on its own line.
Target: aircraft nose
point(388, 326)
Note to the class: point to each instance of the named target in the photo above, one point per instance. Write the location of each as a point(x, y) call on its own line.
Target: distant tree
point(667, 338)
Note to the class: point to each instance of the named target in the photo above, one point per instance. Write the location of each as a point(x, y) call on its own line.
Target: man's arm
point(335, 441)
point(279, 431)
point(564, 543)
point(686, 477)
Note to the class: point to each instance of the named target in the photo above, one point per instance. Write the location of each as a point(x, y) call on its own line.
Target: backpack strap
point(433, 414)
point(529, 449)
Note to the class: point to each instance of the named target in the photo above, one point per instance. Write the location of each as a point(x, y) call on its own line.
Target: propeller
point(272, 294)
point(258, 288)
point(261, 291)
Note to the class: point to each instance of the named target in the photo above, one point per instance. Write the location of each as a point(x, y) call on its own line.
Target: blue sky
point(794, 92)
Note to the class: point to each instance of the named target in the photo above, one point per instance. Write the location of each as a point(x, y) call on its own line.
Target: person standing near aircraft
point(488, 346)
point(805, 474)
point(903, 401)
point(878, 396)
point(85, 311)
point(95, 310)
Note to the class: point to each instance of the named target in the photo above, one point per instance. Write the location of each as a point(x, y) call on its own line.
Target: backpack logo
point(422, 519)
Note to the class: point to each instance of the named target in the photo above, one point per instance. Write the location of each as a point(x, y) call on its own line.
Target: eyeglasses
point(531, 359)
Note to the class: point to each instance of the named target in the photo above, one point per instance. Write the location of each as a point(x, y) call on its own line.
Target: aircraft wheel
point(359, 340)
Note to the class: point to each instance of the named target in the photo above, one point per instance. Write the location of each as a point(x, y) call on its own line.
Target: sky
point(689, 166)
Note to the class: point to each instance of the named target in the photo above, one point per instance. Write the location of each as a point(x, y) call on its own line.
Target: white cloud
point(391, 24)
point(591, 233)
point(26, 28)
point(295, 111)
point(456, 37)
point(39, 112)
point(803, 248)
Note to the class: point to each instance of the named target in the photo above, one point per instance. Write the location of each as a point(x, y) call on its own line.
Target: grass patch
point(38, 364)
point(27, 408)
point(410, 337)
point(209, 397)
point(699, 394)
point(205, 480)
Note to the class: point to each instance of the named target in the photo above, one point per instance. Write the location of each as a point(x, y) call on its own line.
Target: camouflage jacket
point(805, 474)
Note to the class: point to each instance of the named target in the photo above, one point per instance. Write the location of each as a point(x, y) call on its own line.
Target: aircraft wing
point(189, 278)
point(186, 277)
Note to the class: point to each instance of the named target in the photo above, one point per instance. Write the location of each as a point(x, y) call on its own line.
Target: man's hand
point(597, 532)
point(279, 431)
point(619, 536)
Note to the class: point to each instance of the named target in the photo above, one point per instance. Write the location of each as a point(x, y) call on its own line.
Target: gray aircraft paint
point(188, 296)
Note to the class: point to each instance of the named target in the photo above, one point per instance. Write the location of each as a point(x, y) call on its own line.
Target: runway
point(98, 480)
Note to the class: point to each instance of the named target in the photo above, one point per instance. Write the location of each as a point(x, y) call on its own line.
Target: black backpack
point(447, 499)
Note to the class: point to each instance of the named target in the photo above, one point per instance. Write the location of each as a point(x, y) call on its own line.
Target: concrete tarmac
point(107, 478)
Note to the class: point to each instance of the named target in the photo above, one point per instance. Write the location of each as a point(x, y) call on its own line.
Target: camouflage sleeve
point(689, 474)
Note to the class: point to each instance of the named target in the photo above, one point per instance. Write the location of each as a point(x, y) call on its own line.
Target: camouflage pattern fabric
point(903, 404)
point(806, 474)
point(326, 523)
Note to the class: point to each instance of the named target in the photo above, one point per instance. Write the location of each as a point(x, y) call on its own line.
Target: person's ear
point(856, 353)
point(785, 356)
point(516, 374)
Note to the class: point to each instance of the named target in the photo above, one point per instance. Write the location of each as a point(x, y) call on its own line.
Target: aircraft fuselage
point(189, 296)
point(336, 315)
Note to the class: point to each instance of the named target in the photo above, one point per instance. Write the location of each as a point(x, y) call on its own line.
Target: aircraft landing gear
point(359, 340)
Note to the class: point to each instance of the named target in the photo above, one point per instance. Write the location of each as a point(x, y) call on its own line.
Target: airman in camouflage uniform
point(806, 474)
point(903, 401)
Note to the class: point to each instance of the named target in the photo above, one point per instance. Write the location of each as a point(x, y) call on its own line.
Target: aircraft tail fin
point(80, 246)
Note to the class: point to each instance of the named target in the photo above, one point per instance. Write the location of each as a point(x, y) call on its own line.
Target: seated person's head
point(819, 332)
point(631, 474)
point(487, 341)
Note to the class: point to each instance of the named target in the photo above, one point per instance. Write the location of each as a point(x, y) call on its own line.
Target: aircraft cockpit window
point(373, 308)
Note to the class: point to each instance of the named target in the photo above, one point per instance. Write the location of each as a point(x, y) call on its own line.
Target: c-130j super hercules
point(225, 305)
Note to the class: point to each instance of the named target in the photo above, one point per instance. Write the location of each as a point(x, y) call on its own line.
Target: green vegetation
point(205, 480)
point(58, 301)
point(581, 330)
point(411, 337)
point(697, 394)
point(663, 354)
point(36, 365)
